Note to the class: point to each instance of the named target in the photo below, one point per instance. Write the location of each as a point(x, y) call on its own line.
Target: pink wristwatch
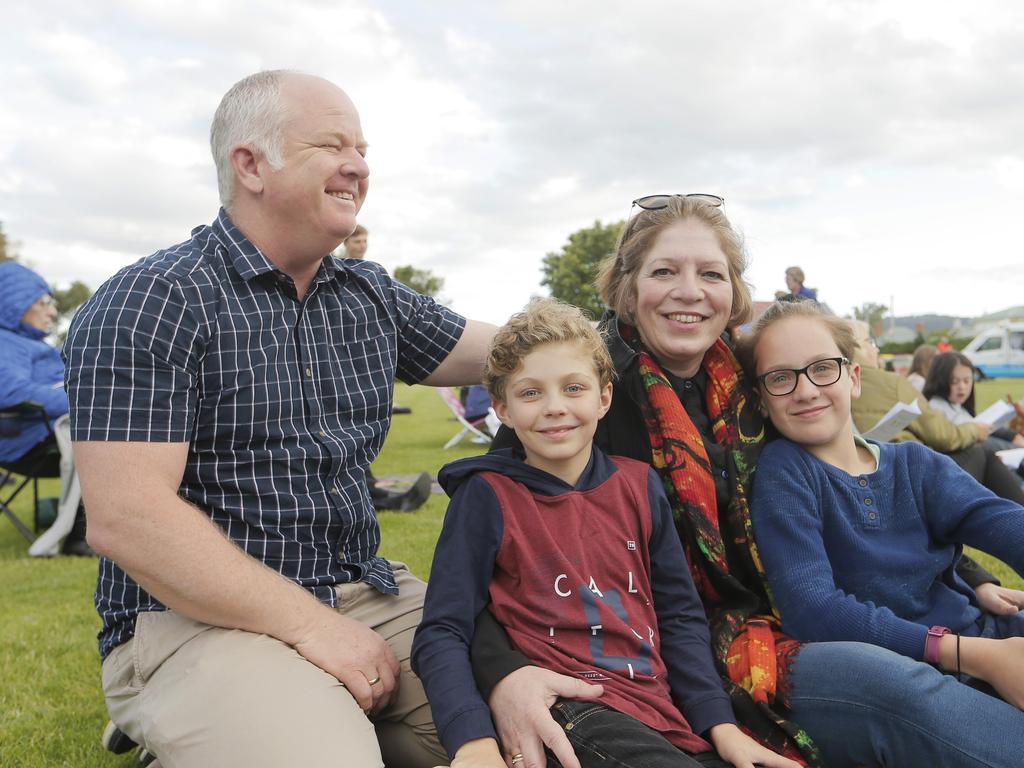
point(931, 643)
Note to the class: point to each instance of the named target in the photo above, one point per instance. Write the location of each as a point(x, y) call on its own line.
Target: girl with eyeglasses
point(860, 540)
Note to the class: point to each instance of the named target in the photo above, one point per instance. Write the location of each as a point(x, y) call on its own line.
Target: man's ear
point(247, 168)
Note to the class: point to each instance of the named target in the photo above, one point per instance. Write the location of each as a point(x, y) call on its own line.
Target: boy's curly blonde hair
point(543, 321)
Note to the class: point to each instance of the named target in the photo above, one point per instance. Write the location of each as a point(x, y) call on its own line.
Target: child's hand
point(734, 746)
point(1000, 663)
point(983, 430)
point(999, 601)
point(479, 753)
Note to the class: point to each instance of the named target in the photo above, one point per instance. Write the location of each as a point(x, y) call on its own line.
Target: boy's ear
point(606, 400)
point(501, 409)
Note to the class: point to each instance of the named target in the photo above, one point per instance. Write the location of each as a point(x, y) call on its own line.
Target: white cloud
point(874, 143)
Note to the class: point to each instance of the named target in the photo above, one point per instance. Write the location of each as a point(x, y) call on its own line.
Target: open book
point(894, 422)
point(998, 414)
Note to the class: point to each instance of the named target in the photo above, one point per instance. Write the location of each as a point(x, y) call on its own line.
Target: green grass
point(51, 706)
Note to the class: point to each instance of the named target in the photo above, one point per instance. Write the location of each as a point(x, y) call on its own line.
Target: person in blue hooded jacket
point(32, 371)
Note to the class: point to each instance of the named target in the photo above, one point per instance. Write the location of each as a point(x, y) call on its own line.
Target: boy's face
point(553, 402)
point(815, 417)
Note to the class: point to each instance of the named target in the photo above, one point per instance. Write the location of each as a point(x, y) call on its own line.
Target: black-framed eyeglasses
point(657, 202)
point(821, 373)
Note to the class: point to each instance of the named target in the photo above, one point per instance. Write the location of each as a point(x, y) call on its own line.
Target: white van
point(998, 351)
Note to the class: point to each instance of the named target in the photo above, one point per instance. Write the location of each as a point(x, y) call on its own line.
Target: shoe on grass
point(418, 494)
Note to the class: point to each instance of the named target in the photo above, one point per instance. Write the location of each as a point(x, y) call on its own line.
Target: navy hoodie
point(588, 581)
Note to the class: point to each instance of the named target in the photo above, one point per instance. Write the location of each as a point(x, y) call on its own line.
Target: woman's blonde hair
point(543, 321)
point(617, 275)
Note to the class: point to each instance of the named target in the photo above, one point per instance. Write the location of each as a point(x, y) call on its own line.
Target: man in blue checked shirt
point(227, 397)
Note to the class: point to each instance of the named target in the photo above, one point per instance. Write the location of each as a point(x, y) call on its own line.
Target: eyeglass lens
point(821, 373)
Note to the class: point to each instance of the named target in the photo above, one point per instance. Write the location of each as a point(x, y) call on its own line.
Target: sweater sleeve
point(788, 527)
point(682, 625)
point(458, 590)
point(962, 511)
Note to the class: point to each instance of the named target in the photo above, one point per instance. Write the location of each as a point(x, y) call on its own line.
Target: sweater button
point(872, 515)
point(862, 482)
point(868, 502)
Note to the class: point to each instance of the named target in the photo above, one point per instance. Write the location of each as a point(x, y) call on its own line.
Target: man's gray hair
point(250, 114)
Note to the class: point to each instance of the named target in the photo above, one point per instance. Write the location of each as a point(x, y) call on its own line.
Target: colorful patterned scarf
point(745, 635)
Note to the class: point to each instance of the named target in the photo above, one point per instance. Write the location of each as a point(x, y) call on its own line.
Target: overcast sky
point(877, 144)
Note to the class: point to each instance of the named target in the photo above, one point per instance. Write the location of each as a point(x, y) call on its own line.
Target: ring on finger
point(518, 758)
point(374, 681)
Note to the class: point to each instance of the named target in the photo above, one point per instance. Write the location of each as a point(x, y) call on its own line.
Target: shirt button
point(687, 384)
point(322, 433)
point(868, 502)
point(862, 482)
point(334, 490)
point(872, 515)
point(309, 372)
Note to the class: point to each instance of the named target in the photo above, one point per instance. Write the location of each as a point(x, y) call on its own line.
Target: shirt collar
point(249, 261)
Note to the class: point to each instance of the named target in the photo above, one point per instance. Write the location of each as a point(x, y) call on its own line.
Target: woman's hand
point(1018, 440)
point(983, 430)
point(1000, 663)
point(999, 601)
point(519, 706)
point(734, 746)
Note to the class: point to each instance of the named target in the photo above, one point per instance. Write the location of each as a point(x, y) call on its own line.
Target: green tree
point(6, 247)
point(421, 280)
point(873, 314)
point(570, 274)
point(70, 298)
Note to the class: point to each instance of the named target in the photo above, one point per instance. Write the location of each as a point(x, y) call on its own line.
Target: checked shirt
point(283, 403)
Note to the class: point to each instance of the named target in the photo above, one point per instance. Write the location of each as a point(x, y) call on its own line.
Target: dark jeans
point(609, 739)
point(988, 469)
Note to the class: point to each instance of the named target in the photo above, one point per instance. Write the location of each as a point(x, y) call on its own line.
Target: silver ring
point(517, 758)
point(374, 681)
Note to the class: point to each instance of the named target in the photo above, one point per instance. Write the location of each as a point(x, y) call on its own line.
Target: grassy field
point(51, 706)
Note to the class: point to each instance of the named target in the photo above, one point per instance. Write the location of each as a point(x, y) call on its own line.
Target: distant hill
point(968, 325)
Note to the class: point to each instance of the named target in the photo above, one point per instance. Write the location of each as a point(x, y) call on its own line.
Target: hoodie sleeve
point(685, 638)
point(457, 591)
point(16, 378)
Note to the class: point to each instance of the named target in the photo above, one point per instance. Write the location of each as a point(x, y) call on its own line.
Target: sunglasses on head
point(657, 202)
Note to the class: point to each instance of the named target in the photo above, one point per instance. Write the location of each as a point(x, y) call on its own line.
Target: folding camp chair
point(41, 461)
point(475, 427)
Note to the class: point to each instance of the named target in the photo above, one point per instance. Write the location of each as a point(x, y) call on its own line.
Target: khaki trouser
point(204, 696)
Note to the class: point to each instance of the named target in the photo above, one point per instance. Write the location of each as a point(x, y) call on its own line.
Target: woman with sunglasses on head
point(681, 403)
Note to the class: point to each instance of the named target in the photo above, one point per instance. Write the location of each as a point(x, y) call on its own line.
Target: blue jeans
point(603, 737)
point(865, 705)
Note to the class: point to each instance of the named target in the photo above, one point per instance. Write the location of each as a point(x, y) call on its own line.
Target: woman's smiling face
point(683, 295)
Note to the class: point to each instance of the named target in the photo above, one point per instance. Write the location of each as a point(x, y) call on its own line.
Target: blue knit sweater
point(870, 557)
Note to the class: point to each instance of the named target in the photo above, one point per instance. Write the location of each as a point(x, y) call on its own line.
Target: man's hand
point(519, 705)
point(354, 654)
point(734, 746)
point(999, 601)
